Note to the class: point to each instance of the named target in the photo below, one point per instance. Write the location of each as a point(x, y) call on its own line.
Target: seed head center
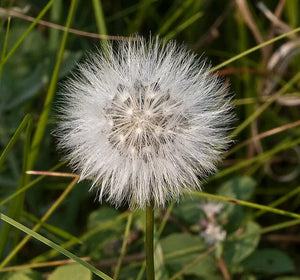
point(142, 123)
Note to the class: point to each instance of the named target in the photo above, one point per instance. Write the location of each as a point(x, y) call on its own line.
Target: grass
point(264, 158)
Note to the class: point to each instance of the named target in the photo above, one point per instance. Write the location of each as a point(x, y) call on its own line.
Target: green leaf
point(241, 187)
point(238, 247)
point(287, 278)
point(18, 276)
point(105, 243)
point(181, 249)
point(189, 210)
point(159, 264)
point(26, 274)
point(102, 215)
point(72, 271)
point(268, 261)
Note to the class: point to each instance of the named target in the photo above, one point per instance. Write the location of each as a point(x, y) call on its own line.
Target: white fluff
point(144, 122)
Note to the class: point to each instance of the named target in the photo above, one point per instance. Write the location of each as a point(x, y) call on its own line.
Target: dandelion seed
point(144, 122)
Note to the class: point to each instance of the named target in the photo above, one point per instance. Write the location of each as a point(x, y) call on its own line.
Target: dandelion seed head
point(144, 122)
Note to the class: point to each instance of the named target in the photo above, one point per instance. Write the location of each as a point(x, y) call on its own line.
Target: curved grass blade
point(54, 246)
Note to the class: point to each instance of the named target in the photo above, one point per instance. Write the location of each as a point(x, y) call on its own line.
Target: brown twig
point(223, 268)
point(19, 15)
point(263, 135)
point(51, 173)
point(274, 19)
point(278, 11)
point(247, 16)
point(282, 238)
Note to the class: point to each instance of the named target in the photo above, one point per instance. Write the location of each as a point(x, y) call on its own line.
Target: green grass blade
point(173, 17)
point(144, 6)
point(50, 228)
point(260, 158)
point(37, 226)
point(107, 225)
point(183, 26)
point(54, 246)
point(24, 35)
point(14, 139)
point(16, 205)
point(29, 185)
point(240, 55)
point(100, 22)
point(280, 226)
point(124, 245)
point(279, 200)
point(248, 204)
point(54, 34)
point(41, 126)
point(263, 107)
point(4, 48)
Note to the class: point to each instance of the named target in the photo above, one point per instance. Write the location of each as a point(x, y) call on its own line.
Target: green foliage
point(238, 247)
point(242, 188)
point(258, 172)
point(102, 244)
point(77, 271)
point(268, 261)
point(26, 274)
point(181, 249)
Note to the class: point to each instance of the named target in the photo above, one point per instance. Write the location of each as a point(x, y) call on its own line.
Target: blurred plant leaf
point(159, 262)
point(287, 278)
point(239, 247)
point(104, 243)
point(26, 274)
point(188, 210)
point(34, 65)
point(19, 276)
point(268, 261)
point(72, 271)
point(103, 214)
point(241, 187)
point(181, 249)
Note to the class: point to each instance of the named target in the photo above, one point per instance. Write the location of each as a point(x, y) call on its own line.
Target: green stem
point(248, 204)
point(149, 242)
point(100, 20)
point(124, 245)
point(240, 55)
point(159, 232)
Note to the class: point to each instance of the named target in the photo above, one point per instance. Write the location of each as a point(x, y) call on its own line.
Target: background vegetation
point(257, 190)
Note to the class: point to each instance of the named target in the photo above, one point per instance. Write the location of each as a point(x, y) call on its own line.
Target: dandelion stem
point(149, 241)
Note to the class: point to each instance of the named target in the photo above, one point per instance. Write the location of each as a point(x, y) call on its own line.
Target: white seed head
point(144, 122)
